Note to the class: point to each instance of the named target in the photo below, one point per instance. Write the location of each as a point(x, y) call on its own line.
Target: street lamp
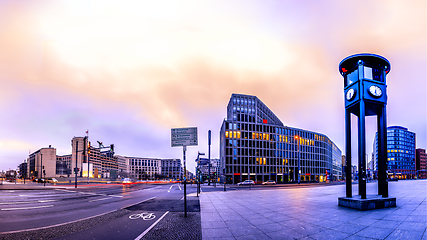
point(298, 140)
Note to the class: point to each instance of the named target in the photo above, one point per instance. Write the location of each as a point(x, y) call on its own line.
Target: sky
point(129, 71)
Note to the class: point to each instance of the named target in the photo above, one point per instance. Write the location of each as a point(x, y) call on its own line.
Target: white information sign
point(184, 137)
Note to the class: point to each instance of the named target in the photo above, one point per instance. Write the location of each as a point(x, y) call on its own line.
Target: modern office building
point(254, 144)
point(421, 163)
point(144, 168)
point(171, 169)
point(400, 152)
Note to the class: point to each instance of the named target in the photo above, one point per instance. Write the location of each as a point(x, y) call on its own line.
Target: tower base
point(371, 202)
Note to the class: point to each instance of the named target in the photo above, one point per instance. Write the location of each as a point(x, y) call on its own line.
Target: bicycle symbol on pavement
point(144, 216)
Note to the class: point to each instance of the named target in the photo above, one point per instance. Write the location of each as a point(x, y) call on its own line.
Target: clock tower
point(365, 94)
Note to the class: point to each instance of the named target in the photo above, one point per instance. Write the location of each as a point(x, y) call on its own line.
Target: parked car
point(246, 182)
point(269, 182)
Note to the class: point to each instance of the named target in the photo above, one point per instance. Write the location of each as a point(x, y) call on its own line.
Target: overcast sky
point(129, 71)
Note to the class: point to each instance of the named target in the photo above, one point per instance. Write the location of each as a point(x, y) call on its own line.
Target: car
point(269, 182)
point(126, 181)
point(51, 180)
point(246, 182)
point(40, 180)
point(393, 179)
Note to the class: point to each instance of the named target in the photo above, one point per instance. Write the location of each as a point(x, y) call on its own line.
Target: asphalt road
point(34, 209)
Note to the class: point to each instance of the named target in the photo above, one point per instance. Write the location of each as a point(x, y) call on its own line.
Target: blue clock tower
point(365, 94)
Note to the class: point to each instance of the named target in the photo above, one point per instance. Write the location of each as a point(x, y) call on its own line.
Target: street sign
point(184, 137)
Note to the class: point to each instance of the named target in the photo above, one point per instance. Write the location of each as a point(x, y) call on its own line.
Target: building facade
point(254, 144)
point(421, 163)
point(216, 169)
point(400, 152)
point(171, 169)
point(42, 163)
point(144, 168)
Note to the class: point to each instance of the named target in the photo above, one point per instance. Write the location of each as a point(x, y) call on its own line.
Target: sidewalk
point(313, 213)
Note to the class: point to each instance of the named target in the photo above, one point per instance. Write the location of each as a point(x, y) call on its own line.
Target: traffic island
point(371, 202)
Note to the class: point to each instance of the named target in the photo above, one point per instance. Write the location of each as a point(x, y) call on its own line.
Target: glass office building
point(400, 152)
point(254, 144)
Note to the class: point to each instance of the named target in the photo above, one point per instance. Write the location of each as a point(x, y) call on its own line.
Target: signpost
point(184, 137)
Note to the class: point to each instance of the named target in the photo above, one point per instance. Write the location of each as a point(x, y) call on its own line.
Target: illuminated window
point(226, 134)
point(264, 161)
point(238, 134)
point(234, 134)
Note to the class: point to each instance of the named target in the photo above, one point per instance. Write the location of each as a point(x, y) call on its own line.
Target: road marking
point(179, 187)
point(10, 209)
point(144, 216)
point(114, 196)
point(100, 199)
point(148, 229)
point(65, 223)
point(40, 201)
point(66, 190)
point(46, 201)
point(95, 194)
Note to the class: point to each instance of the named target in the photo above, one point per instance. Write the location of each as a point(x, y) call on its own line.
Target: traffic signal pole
point(185, 183)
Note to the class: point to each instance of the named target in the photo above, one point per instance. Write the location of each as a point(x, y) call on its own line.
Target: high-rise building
point(254, 144)
point(400, 152)
point(421, 164)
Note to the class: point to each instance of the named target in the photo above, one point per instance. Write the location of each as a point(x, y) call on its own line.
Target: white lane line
point(40, 201)
point(179, 187)
point(100, 199)
point(148, 229)
point(66, 190)
point(170, 188)
point(10, 209)
point(96, 194)
point(113, 196)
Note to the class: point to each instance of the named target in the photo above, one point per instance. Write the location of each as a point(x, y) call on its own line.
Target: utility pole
point(209, 157)
point(75, 169)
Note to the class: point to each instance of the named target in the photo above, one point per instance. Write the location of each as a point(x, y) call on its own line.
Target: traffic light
point(112, 148)
point(88, 148)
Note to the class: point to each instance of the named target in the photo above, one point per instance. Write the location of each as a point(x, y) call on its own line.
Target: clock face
point(351, 93)
point(375, 91)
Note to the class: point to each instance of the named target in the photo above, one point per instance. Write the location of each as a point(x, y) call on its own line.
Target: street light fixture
point(299, 171)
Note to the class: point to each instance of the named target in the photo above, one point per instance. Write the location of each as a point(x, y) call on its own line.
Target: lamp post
point(297, 138)
point(209, 157)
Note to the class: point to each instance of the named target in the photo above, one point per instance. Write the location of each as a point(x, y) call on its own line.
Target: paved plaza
point(308, 212)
